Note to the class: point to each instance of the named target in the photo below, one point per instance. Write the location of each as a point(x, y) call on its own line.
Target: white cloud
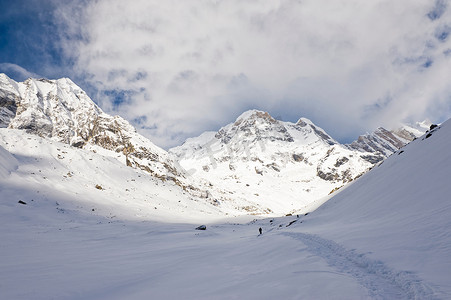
point(17, 72)
point(194, 65)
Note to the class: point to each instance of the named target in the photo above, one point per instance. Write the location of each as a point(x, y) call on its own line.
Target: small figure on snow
point(260, 229)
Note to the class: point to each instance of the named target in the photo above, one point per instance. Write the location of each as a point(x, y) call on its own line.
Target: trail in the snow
point(381, 281)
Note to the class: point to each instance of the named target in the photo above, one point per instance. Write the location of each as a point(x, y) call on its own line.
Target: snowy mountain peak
point(254, 126)
point(5, 81)
point(255, 114)
point(258, 126)
point(304, 124)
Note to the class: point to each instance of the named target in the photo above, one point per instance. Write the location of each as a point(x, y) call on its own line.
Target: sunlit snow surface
point(386, 236)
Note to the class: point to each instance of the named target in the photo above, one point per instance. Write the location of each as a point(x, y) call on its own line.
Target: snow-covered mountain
point(60, 110)
point(280, 166)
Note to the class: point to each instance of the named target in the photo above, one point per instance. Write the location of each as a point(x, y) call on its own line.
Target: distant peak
point(303, 122)
point(255, 114)
point(66, 80)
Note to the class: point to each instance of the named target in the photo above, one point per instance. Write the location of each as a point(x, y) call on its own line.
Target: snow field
point(75, 256)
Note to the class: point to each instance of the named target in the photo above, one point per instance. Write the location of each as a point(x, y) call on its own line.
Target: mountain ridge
point(257, 164)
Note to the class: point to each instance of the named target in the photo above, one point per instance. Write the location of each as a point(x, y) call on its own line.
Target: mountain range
point(255, 165)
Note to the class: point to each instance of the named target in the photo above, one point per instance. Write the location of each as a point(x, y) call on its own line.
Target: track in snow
point(380, 281)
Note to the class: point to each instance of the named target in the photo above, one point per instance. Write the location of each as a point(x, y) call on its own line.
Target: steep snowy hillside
point(391, 228)
point(54, 175)
point(278, 166)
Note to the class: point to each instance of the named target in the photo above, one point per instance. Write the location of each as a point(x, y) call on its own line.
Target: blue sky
point(178, 68)
point(27, 39)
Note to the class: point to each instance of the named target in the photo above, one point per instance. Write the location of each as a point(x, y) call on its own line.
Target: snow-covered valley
point(102, 213)
point(386, 236)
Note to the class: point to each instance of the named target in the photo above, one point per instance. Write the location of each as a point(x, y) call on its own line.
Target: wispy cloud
point(189, 66)
point(17, 71)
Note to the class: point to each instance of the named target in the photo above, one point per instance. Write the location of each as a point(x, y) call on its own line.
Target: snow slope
point(394, 222)
point(8, 163)
point(90, 182)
